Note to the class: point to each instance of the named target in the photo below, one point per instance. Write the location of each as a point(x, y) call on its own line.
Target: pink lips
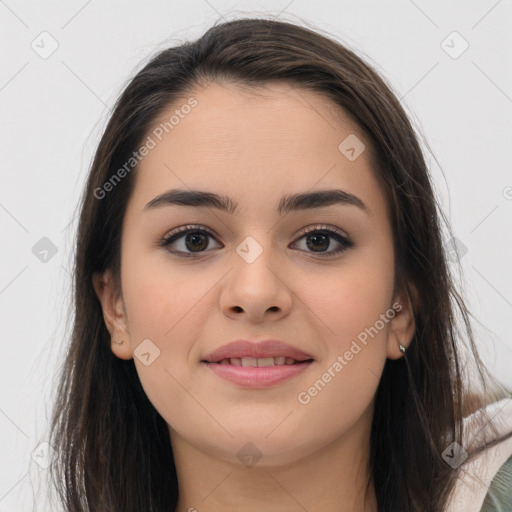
point(263, 376)
point(267, 348)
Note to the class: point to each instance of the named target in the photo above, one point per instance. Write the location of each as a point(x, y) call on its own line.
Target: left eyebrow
point(288, 203)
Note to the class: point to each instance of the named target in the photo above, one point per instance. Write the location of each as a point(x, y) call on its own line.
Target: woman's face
point(253, 273)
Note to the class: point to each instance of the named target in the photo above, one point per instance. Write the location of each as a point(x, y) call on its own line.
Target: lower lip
point(257, 377)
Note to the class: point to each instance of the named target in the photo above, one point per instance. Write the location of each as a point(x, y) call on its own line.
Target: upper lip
point(246, 348)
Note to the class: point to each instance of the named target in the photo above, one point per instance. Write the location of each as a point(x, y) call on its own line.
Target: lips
point(257, 365)
point(259, 362)
point(257, 354)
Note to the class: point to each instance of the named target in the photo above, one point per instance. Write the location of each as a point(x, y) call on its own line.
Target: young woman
point(264, 316)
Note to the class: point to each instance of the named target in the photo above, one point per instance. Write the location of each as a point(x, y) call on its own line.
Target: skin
point(256, 146)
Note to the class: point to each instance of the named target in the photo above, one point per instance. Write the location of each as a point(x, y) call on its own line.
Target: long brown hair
point(114, 451)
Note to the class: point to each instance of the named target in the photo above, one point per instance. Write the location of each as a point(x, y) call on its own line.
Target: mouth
point(259, 362)
point(258, 373)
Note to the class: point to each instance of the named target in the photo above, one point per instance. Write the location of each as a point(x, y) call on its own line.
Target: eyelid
point(188, 227)
point(301, 232)
point(322, 227)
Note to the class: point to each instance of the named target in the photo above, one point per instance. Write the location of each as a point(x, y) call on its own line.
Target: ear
point(402, 325)
point(114, 313)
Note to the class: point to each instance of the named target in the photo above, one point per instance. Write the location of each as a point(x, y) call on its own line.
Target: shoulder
point(485, 482)
point(499, 495)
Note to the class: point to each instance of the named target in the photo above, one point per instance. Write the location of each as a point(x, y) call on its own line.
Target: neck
point(335, 478)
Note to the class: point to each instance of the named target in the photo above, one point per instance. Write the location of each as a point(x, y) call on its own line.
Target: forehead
point(257, 119)
point(256, 143)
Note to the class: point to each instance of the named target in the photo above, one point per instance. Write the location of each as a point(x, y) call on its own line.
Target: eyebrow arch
point(288, 203)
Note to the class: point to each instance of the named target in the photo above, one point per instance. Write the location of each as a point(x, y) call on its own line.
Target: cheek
point(350, 299)
point(167, 313)
point(161, 302)
point(354, 306)
point(344, 384)
point(169, 310)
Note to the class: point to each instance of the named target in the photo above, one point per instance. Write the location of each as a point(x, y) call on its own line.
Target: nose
point(256, 286)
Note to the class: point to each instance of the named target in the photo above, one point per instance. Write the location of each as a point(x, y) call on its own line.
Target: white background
point(53, 111)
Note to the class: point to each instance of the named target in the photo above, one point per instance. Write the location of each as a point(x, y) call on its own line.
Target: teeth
point(258, 361)
point(265, 361)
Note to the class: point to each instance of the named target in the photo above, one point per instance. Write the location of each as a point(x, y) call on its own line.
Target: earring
point(118, 342)
point(402, 348)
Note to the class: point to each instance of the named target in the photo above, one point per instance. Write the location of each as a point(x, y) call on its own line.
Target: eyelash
point(345, 242)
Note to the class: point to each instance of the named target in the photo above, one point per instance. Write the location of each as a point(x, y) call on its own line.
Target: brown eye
point(189, 239)
point(318, 241)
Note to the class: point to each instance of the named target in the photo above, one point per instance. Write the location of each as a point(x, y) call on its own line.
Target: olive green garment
point(499, 495)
